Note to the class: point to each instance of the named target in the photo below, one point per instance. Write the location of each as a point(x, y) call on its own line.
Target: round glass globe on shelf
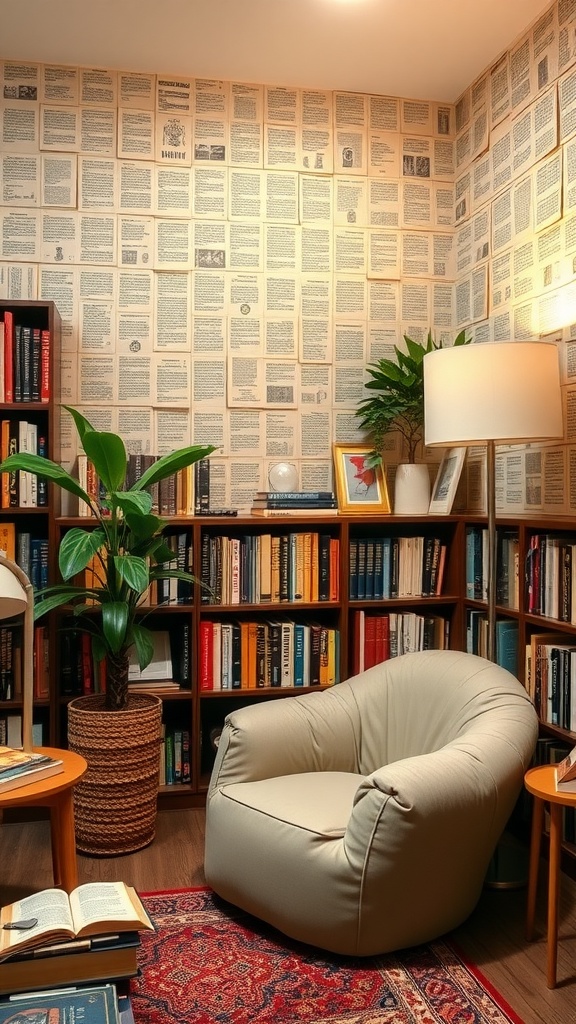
point(283, 477)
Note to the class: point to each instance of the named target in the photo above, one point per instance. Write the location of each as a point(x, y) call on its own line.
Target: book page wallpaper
point(227, 257)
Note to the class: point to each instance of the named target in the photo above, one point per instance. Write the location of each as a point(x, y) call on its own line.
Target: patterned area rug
point(210, 963)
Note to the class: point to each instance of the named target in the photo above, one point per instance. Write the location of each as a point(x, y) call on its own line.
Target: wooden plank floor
point(493, 937)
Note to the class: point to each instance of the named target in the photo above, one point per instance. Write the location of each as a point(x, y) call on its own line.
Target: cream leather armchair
point(362, 819)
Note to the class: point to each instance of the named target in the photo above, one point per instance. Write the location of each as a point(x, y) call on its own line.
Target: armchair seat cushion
point(319, 802)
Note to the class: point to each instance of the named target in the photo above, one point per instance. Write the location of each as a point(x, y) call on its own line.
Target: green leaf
point(114, 624)
point(107, 453)
point(46, 468)
point(139, 502)
point(134, 571)
point(82, 424)
point(143, 527)
point(77, 549)
point(171, 463)
point(144, 644)
point(163, 552)
point(48, 604)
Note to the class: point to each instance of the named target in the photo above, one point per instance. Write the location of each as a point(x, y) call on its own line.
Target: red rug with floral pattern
point(210, 963)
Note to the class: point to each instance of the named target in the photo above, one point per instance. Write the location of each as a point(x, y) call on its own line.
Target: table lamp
point(501, 393)
point(17, 598)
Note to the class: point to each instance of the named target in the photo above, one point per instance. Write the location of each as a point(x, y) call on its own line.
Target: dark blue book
point(91, 1005)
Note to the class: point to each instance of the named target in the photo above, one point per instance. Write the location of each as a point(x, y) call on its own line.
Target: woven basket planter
point(115, 803)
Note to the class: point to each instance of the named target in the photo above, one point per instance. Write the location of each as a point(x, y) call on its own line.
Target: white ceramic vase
point(411, 490)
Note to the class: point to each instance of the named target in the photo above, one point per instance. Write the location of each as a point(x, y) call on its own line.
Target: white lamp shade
point(12, 594)
point(507, 392)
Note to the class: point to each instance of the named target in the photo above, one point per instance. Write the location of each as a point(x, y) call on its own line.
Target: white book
point(32, 446)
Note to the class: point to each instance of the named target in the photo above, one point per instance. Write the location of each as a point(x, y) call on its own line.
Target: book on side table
point(565, 773)
point(18, 768)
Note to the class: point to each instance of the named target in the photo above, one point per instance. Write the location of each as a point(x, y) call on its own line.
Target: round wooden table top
point(74, 767)
point(541, 782)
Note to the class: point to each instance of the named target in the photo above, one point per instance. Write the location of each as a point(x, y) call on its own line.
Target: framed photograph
point(446, 482)
point(359, 487)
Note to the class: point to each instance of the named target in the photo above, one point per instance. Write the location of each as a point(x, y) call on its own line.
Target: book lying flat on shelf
point(101, 958)
point(302, 512)
point(91, 1005)
point(95, 908)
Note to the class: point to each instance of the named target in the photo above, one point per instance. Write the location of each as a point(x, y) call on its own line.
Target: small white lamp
point(17, 598)
point(505, 393)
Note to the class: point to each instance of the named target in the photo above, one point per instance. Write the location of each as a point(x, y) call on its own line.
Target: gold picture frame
point(360, 490)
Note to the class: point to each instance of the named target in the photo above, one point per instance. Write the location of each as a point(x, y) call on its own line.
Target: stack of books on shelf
point(550, 577)
point(173, 496)
point(20, 489)
point(266, 568)
point(380, 637)
point(175, 764)
point(247, 655)
point(168, 672)
point(24, 361)
point(89, 935)
point(18, 768)
point(294, 503)
point(392, 567)
point(550, 678)
point(507, 566)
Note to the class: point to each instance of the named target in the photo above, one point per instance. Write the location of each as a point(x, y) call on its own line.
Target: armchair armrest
point(286, 737)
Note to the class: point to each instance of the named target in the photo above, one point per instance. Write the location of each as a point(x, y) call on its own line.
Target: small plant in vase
point(396, 403)
point(126, 543)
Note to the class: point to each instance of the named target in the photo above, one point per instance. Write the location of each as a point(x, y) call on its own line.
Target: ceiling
point(427, 49)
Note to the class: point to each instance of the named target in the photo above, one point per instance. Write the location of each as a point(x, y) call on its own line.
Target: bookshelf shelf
point(28, 529)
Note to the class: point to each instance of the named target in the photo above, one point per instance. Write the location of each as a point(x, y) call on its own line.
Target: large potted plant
point(118, 732)
point(396, 403)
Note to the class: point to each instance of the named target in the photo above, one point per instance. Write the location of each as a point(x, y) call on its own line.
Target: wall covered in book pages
point(227, 257)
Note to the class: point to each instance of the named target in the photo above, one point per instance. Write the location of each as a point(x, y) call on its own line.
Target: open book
point(95, 908)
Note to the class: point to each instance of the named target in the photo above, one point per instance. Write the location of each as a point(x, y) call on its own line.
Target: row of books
point(20, 489)
point(507, 566)
point(550, 577)
point(80, 674)
point(550, 678)
point(391, 567)
point(165, 591)
point(248, 655)
point(269, 568)
point(175, 765)
point(30, 553)
point(11, 662)
point(24, 361)
point(183, 493)
point(506, 639)
point(11, 731)
point(380, 637)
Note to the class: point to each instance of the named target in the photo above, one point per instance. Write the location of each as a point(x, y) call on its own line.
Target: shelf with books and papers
point(30, 338)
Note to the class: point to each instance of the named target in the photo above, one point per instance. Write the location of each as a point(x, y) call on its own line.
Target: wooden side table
point(540, 782)
point(55, 792)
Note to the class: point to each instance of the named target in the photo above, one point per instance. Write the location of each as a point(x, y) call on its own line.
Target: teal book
point(507, 645)
point(91, 1005)
point(298, 654)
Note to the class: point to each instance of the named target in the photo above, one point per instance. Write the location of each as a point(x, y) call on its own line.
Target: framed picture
point(359, 487)
point(446, 482)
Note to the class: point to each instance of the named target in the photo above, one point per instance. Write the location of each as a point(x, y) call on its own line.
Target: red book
point(8, 356)
point(358, 653)
point(206, 654)
point(370, 641)
point(45, 366)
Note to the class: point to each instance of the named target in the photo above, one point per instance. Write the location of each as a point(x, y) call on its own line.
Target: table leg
point(55, 827)
point(64, 841)
point(553, 891)
point(535, 839)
